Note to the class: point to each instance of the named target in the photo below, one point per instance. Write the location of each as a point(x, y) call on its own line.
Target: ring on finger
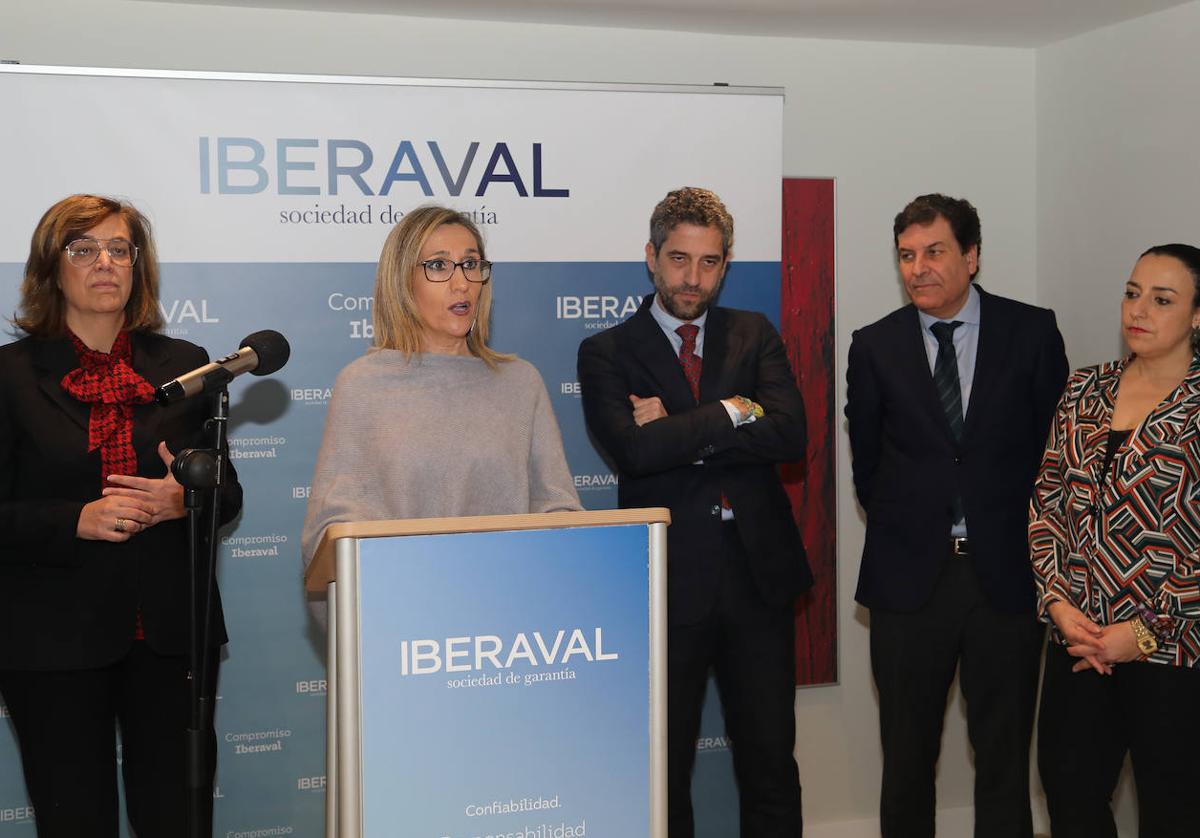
point(120, 525)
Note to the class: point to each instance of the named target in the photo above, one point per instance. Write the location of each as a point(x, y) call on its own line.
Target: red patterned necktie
point(688, 359)
point(692, 365)
point(107, 382)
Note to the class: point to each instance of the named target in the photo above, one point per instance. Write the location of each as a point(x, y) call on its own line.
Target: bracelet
point(1159, 626)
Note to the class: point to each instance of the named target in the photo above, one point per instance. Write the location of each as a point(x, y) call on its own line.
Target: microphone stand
point(202, 473)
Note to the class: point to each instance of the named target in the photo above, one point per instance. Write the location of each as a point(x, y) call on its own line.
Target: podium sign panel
point(504, 683)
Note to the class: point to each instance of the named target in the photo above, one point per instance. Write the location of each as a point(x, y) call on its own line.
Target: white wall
point(1118, 171)
point(889, 121)
point(1118, 132)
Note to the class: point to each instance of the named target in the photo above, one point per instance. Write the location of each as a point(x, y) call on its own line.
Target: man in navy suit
point(695, 406)
point(948, 402)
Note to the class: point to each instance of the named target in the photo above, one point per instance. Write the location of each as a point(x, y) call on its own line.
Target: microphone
point(261, 353)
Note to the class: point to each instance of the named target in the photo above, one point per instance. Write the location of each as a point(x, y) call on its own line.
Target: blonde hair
point(42, 310)
point(398, 323)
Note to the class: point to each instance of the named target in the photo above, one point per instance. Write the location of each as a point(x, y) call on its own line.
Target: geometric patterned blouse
point(1125, 543)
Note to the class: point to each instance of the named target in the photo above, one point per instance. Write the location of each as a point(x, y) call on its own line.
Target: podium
point(499, 675)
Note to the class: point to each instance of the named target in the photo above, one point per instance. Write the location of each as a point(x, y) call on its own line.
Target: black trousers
point(66, 728)
point(913, 658)
point(750, 648)
point(1089, 722)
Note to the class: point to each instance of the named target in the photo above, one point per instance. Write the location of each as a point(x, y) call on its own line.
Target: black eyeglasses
point(83, 252)
point(440, 270)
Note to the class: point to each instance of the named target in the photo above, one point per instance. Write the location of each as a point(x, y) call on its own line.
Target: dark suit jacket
point(656, 463)
point(65, 602)
point(907, 465)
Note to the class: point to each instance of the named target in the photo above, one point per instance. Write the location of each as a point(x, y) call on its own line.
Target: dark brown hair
point(690, 205)
point(958, 212)
point(42, 310)
point(1187, 256)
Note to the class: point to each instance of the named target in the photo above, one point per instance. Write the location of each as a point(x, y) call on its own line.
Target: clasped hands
point(1097, 647)
point(131, 504)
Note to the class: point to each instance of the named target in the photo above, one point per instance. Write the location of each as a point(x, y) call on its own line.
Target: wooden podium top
point(322, 570)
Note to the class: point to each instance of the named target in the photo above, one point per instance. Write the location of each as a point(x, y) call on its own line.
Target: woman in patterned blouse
point(1114, 531)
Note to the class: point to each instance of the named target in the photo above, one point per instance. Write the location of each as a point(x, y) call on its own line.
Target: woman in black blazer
point(93, 543)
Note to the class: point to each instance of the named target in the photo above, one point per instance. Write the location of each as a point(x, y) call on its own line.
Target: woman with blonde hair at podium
point(432, 422)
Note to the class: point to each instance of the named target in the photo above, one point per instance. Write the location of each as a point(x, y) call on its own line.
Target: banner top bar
point(718, 88)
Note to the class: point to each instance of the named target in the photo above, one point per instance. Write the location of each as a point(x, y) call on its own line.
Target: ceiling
point(1019, 23)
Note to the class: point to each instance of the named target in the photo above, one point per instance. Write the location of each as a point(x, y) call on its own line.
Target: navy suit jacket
point(907, 465)
point(66, 602)
point(657, 463)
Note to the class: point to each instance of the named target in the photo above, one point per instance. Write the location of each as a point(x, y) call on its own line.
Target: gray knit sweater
point(437, 436)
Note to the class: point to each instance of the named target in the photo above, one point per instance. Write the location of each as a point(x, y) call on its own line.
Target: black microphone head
point(271, 348)
point(172, 391)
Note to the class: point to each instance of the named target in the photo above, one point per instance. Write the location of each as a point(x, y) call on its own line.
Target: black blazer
point(907, 465)
point(65, 602)
point(657, 463)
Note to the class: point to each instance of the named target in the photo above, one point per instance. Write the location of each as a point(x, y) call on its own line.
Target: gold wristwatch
point(747, 407)
point(1146, 641)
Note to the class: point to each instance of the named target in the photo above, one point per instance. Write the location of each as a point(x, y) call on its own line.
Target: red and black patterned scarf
point(109, 384)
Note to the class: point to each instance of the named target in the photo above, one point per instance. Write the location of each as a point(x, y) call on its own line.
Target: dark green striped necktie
point(945, 378)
